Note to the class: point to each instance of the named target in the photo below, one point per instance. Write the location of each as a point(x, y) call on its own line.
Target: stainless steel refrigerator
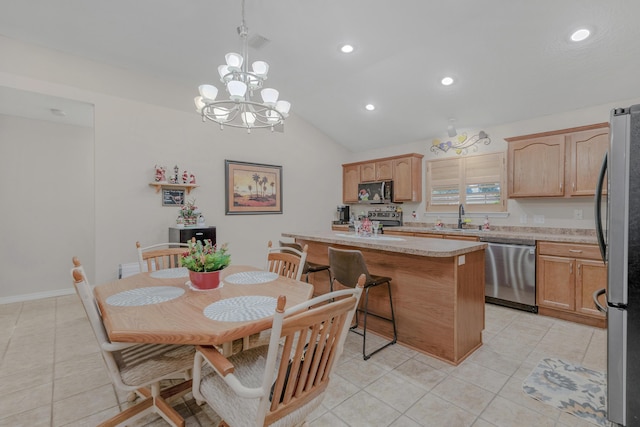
point(617, 216)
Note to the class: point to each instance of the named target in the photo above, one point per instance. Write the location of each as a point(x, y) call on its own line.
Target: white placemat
point(170, 273)
point(251, 277)
point(145, 296)
point(241, 309)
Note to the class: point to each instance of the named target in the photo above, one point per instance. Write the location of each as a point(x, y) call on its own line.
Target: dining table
point(163, 306)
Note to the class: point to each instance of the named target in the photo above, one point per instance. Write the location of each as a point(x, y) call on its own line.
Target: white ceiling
point(511, 58)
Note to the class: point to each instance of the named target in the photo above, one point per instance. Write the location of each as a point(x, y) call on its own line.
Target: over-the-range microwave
point(378, 192)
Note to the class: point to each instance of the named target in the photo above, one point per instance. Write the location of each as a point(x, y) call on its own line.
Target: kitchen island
point(437, 287)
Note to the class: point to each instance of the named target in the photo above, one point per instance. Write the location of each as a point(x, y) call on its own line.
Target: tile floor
point(51, 374)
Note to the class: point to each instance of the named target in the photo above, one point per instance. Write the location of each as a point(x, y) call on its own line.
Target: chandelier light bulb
point(208, 92)
point(237, 90)
point(272, 116)
point(223, 70)
point(248, 118)
point(283, 107)
point(270, 96)
point(234, 61)
point(199, 103)
point(221, 114)
point(260, 68)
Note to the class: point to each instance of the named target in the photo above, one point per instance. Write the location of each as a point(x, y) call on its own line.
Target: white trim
point(37, 295)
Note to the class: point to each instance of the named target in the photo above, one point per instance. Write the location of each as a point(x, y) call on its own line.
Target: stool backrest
point(346, 265)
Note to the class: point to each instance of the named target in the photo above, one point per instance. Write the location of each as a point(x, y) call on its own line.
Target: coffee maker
point(343, 214)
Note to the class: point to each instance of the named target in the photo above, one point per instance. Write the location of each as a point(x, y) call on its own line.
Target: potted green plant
point(204, 261)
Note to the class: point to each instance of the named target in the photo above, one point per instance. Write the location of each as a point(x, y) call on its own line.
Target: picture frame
point(173, 197)
point(252, 188)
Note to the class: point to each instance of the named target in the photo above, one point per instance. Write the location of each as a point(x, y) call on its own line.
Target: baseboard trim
point(37, 295)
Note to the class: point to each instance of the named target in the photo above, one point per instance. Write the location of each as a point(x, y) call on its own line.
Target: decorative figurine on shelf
point(160, 174)
point(201, 221)
point(192, 179)
point(185, 177)
point(176, 171)
point(486, 225)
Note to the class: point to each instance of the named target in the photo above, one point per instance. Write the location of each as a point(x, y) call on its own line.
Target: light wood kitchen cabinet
point(376, 171)
point(407, 179)
point(563, 163)
point(567, 275)
point(585, 153)
point(535, 166)
point(350, 181)
point(405, 171)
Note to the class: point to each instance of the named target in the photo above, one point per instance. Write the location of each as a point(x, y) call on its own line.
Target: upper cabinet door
point(585, 152)
point(407, 179)
point(350, 181)
point(536, 167)
point(381, 170)
point(384, 170)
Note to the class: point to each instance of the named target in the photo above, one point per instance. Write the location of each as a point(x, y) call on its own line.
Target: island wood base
point(438, 301)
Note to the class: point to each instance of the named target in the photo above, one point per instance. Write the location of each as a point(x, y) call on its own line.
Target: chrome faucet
point(460, 213)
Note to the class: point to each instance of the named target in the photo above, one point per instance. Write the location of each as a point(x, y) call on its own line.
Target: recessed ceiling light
point(346, 48)
point(370, 107)
point(580, 35)
point(447, 81)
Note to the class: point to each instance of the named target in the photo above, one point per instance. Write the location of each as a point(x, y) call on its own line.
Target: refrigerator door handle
point(598, 208)
point(599, 306)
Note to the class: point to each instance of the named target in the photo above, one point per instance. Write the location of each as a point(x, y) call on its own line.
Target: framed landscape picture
point(252, 188)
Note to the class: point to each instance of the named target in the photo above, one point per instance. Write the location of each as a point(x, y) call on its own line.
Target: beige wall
point(140, 121)
point(46, 187)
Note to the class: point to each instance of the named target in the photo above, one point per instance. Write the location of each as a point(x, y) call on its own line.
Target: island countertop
point(422, 246)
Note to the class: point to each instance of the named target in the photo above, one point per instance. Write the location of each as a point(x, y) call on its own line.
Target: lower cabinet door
point(592, 275)
point(556, 282)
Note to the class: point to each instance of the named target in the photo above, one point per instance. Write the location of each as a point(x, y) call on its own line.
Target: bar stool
point(309, 267)
point(345, 265)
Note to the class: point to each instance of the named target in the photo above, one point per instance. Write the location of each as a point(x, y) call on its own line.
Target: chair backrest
point(346, 265)
point(85, 293)
point(287, 262)
point(310, 337)
point(160, 256)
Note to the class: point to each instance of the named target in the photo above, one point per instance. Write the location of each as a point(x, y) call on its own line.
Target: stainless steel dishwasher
point(510, 272)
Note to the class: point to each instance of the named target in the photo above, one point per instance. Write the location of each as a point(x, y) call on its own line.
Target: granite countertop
point(566, 235)
point(420, 246)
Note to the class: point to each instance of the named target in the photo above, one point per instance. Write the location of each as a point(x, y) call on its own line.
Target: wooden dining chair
point(309, 267)
point(160, 256)
point(283, 382)
point(287, 262)
point(138, 368)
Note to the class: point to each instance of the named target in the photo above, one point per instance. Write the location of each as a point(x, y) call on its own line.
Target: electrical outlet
point(523, 219)
point(538, 219)
point(577, 214)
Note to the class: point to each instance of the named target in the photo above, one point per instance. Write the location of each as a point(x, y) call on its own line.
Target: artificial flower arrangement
point(205, 257)
point(189, 212)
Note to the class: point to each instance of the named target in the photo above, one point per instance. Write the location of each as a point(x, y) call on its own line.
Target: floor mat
point(571, 388)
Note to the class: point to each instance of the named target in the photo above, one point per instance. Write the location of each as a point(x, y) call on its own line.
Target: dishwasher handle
point(597, 294)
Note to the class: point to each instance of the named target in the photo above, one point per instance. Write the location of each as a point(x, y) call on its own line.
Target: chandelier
point(240, 109)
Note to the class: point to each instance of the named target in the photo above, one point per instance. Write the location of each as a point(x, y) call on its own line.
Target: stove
point(386, 218)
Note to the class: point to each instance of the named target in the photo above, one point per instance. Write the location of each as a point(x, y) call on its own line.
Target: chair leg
point(365, 311)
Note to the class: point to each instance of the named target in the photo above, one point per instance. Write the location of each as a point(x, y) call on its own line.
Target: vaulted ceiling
point(511, 59)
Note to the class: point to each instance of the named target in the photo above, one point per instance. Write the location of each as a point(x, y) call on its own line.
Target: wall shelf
point(161, 185)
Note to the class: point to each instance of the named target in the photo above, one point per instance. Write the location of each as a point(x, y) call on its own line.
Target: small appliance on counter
point(343, 214)
point(379, 192)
